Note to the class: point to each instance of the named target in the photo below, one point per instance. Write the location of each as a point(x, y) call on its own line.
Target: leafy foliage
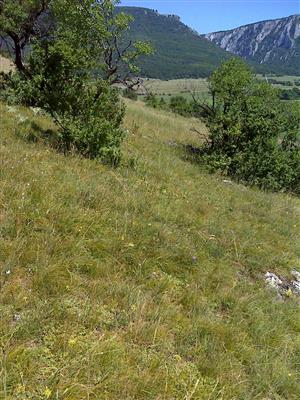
point(70, 74)
point(253, 137)
point(19, 23)
point(151, 100)
point(130, 94)
point(290, 94)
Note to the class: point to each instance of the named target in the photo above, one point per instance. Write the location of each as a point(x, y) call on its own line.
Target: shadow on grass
point(32, 132)
point(188, 152)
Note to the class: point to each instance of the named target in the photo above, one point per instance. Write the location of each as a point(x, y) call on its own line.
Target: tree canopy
point(253, 136)
point(91, 28)
point(78, 53)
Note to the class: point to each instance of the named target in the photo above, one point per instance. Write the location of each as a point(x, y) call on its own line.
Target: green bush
point(290, 94)
point(95, 130)
point(252, 135)
point(151, 100)
point(88, 114)
point(179, 105)
point(163, 104)
point(15, 89)
point(130, 94)
point(70, 71)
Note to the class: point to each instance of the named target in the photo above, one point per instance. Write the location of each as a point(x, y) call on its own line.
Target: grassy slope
point(144, 282)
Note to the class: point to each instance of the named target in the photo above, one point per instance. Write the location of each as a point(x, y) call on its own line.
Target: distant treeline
point(189, 108)
point(289, 94)
point(283, 83)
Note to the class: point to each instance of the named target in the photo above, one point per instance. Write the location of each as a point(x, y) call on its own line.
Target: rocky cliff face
point(268, 42)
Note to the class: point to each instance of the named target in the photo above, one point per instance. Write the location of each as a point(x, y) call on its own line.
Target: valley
point(199, 87)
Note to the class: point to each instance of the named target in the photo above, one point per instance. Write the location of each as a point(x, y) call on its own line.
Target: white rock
point(296, 274)
point(273, 280)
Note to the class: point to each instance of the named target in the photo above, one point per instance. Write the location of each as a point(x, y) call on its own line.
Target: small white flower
point(11, 109)
point(17, 317)
point(36, 110)
point(22, 118)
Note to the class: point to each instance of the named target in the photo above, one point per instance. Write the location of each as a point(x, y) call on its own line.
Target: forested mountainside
point(180, 52)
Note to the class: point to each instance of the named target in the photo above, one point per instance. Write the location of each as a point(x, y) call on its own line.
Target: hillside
point(142, 282)
point(179, 51)
point(275, 43)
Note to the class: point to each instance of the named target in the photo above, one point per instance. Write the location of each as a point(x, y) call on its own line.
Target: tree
point(89, 25)
point(252, 136)
point(70, 73)
point(19, 24)
point(100, 30)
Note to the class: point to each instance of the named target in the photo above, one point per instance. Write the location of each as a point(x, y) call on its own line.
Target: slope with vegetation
point(144, 282)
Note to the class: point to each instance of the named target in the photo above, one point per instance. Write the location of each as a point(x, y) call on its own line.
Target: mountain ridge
point(252, 23)
point(180, 51)
point(274, 43)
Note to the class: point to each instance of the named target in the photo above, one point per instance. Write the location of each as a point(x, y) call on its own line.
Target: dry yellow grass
point(6, 65)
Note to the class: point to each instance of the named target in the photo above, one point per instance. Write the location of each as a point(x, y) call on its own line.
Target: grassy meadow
point(177, 87)
point(199, 87)
point(142, 282)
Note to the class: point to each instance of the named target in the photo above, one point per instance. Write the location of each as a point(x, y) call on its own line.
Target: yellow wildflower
point(47, 392)
point(20, 388)
point(72, 341)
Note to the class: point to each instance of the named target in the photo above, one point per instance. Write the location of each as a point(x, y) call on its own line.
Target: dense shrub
point(94, 131)
point(252, 135)
point(180, 105)
point(177, 104)
point(71, 70)
point(130, 94)
point(151, 100)
point(290, 94)
point(15, 88)
point(88, 114)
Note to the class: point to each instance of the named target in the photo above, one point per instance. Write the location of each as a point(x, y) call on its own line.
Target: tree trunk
point(18, 56)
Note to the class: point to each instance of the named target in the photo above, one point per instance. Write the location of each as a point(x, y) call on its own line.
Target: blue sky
point(214, 15)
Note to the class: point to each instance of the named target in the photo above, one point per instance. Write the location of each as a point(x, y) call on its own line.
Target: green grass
point(199, 87)
point(143, 282)
point(285, 78)
point(281, 80)
point(178, 87)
